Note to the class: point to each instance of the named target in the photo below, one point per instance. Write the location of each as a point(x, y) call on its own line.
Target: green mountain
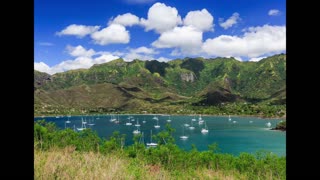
point(189, 85)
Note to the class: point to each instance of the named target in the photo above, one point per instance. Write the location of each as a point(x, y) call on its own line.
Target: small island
point(282, 126)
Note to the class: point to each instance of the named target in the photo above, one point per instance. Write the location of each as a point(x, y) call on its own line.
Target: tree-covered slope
point(152, 85)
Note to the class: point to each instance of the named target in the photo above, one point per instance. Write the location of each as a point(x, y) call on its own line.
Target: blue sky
point(77, 34)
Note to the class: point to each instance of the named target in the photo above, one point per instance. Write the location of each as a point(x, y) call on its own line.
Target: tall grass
point(65, 154)
point(67, 163)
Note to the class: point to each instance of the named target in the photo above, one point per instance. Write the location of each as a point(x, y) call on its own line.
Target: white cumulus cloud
point(78, 30)
point(256, 59)
point(238, 58)
point(104, 58)
point(127, 19)
point(79, 51)
point(163, 59)
point(273, 12)
point(230, 22)
point(42, 67)
point(142, 53)
point(83, 59)
point(187, 38)
point(161, 18)
point(255, 42)
point(201, 20)
point(144, 50)
point(114, 33)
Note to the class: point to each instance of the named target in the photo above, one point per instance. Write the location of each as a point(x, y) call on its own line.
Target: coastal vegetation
point(282, 126)
point(66, 154)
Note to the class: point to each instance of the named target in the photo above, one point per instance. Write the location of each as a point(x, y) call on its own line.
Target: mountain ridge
point(177, 85)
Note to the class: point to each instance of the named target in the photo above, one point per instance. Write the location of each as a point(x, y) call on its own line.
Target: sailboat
point(186, 125)
point(169, 120)
point(144, 121)
point(112, 119)
point(205, 129)
point(268, 124)
point(117, 121)
point(137, 124)
point(151, 144)
point(128, 123)
point(68, 121)
point(229, 118)
point(191, 127)
point(183, 137)
point(91, 123)
point(137, 131)
point(201, 120)
point(194, 119)
point(83, 125)
point(157, 126)
point(85, 120)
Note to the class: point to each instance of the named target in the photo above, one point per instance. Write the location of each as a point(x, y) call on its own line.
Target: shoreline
point(255, 116)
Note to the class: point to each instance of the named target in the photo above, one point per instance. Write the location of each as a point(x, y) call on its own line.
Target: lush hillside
point(178, 86)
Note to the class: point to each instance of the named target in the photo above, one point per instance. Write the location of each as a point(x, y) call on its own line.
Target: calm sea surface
point(246, 134)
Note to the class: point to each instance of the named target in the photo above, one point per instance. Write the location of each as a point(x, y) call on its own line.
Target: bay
point(246, 134)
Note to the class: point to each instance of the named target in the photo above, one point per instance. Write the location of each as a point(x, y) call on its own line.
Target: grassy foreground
point(69, 164)
point(65, 154)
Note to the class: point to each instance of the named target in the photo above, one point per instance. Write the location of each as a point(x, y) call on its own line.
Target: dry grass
point(69, 164)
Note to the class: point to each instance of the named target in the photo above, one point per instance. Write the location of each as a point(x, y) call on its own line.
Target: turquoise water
point(233, 138)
